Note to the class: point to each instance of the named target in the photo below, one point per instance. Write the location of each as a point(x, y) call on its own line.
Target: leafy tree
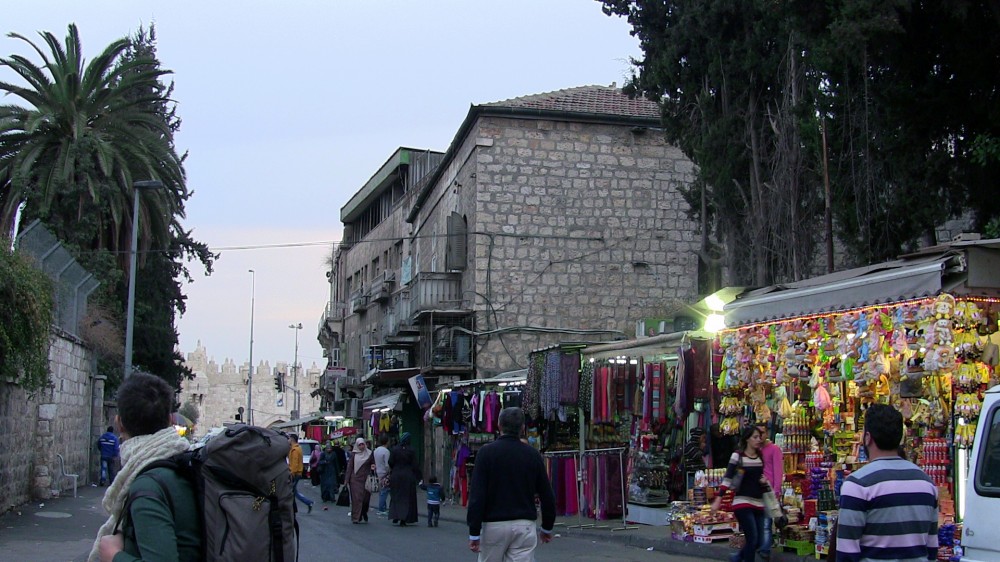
point(730, 78)
point(159, 297)
point(26, 304)
point(906, 92)
point(70, 158)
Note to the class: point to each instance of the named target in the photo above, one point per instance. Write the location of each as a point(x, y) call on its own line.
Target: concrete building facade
point(550, 218)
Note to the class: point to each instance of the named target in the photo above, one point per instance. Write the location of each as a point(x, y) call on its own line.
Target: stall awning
point(389, 375)
point(853, 288)
point(642, 347)
point(389, 401)
point(508, 377)
point(297, 422)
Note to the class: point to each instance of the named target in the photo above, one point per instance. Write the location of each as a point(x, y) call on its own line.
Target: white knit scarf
point(136, 453)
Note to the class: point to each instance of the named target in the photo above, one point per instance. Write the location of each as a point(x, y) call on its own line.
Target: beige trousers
point(508, 541)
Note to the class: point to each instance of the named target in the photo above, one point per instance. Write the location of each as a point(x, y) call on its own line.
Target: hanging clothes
point(532, 389)
point(569, 378)
point(586, 388)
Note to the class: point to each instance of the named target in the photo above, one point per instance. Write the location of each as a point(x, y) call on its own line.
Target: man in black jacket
point(507, 477)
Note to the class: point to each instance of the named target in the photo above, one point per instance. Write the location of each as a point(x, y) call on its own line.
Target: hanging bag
point(771, 504)
point(372, 484)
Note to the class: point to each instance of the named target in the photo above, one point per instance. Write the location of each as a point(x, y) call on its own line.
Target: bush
point(26, 306)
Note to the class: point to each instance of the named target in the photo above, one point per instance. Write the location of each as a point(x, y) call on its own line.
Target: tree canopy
point(70, 156)
point(904, 92)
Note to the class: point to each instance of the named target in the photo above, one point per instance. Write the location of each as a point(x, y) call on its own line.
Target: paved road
point(63, 530)
point(330, 535)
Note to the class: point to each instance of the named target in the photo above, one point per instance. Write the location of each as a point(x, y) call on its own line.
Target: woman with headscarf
point(359, 467)
point(403, 478)
point(328, 471)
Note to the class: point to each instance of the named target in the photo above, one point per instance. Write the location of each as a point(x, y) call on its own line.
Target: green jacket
point(162, 524)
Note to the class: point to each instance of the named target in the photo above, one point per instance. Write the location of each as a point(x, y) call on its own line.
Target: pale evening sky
point(288, 108)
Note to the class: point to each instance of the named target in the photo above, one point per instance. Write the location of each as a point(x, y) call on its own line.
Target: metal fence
point(73, 283)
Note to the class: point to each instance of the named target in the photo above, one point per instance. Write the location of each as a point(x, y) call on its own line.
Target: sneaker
point(309, 508)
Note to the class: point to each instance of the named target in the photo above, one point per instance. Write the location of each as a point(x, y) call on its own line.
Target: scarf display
point(136, 453)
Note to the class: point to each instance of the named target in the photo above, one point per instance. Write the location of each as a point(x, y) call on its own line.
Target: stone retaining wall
point(34, 429)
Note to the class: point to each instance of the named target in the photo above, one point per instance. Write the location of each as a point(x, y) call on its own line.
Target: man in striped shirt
point(888, 508)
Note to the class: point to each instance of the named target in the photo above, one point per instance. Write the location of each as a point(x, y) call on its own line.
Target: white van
point(981, 533)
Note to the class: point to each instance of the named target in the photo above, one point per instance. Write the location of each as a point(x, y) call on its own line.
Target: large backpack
point(244, 494)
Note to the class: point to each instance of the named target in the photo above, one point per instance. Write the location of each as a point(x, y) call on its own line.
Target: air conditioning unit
point(353, 408)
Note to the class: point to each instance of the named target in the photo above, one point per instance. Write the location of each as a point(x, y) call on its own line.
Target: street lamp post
point(130, 315)
point(253, 282)
point(295, 367)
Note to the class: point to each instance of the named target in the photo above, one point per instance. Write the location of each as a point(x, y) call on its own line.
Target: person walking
point(745, 476)
point(328, 474)
point(314, 465)
point(153, 512)
point(889, 507)
point(295, 467)
point(358, 468)
point(108, 446)
point(382, 471)
point(435, 493)
point(507, 477)
point(403, 478)
point(774, 471)
point(341, 454)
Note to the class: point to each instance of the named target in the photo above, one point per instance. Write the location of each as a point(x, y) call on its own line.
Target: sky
point(289, 107)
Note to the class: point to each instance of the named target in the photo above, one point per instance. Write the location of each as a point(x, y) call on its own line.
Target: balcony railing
point(382, 286)
point(359, 301)
point(397, 314)
point(436, 291)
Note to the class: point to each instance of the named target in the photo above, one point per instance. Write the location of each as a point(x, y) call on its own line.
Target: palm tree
point(88, 131)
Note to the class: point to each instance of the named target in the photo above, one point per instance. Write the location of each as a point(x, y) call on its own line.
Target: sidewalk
point(60, 529)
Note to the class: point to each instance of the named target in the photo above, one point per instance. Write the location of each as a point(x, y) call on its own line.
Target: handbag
point(771, 505)
point(372, 484)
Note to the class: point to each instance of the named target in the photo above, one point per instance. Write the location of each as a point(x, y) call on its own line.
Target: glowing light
point(714, 303)
point(715, 323)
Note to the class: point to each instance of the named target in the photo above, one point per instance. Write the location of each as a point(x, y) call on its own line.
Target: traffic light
point(279, 384)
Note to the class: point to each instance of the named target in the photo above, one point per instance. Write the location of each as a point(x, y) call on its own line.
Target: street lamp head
point(296, 326)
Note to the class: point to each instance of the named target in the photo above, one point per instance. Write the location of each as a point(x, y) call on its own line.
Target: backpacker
point(244, 490)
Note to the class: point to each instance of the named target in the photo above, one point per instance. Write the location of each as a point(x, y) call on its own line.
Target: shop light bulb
point(715, 323)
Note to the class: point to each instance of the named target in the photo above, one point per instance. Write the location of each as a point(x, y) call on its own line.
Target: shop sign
point(344, 432)
point(420, 392)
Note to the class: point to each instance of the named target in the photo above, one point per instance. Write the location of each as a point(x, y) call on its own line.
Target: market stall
point(807, 358)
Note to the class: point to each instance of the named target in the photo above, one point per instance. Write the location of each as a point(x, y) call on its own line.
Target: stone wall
point(218, 390)
point(34, 429)
point(586, 228)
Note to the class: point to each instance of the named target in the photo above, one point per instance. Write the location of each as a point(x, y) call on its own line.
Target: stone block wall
point(34, 429)
point(587, 228)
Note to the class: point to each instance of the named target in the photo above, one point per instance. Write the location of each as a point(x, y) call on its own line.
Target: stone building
point(551, 217)
point(218, 391)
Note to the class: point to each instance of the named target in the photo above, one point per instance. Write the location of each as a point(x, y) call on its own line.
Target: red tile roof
point(599, 100)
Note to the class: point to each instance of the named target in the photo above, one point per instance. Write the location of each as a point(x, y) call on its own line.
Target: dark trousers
point(108, 470)
point(752, 524)
point(433, 514)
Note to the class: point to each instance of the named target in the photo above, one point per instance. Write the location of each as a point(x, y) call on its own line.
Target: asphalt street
point(63, 529)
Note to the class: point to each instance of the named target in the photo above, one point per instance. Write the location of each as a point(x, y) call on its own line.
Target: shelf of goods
point(713, 532)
